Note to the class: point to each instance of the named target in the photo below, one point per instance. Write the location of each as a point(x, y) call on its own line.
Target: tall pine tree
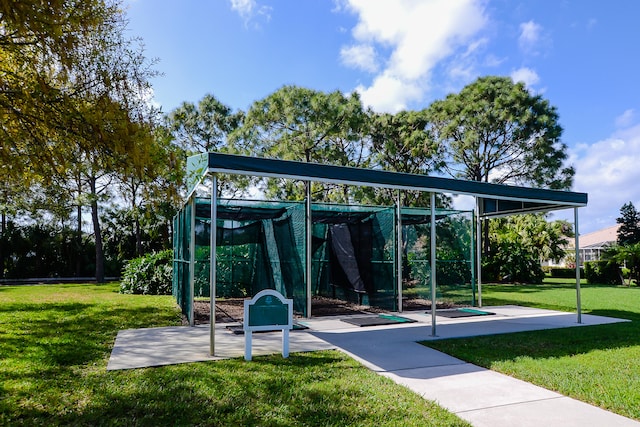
point(629, 231)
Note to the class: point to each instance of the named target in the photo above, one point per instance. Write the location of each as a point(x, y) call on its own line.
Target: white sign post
point(268, 310)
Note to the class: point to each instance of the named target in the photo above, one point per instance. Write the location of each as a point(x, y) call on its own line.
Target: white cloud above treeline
point(530, 34)
point(360, 56)
point(415, 37)
point(608, 171)
point(525, 75)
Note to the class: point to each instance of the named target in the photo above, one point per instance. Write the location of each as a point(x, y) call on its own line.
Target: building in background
point(592, 247)
point(594, 244)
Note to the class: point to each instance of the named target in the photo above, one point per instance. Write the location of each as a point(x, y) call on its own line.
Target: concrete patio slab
point(140, 348)
point(481, 396)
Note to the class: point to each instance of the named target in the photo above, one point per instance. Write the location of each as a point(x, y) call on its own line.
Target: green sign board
point(268, 310)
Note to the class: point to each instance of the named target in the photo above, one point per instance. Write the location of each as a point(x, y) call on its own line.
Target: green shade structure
point(375, 255)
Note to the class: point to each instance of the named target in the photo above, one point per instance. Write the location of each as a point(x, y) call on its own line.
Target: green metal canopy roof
point(495, 199)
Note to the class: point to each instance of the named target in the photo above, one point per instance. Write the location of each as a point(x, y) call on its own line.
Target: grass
point(55, 342)
point(599, 365)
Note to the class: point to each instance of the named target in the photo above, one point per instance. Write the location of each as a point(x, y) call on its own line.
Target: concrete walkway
point(478, 395)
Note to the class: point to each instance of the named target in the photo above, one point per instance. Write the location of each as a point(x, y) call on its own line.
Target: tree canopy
point(74, 105)
point(401, 142)
point(295, 123)
point(495, 130)
point(67, 73)
point(203, 127)
point(77, 129)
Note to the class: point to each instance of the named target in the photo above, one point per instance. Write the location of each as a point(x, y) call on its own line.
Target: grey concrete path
point(481, 396)
point(478, 395)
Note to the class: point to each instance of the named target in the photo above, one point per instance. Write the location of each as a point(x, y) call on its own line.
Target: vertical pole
point(399, 250)
point(192, 258)
point(578, 302)
point(213, 243)
point(433, 264)
point(472, 263)
point(479, 251)
point(308, 246)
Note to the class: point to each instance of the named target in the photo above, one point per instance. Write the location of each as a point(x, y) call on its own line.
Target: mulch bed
point(230, 310)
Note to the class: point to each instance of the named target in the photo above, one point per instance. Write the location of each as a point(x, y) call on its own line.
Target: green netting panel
point(260, 245)
point(290, 237)
point(454, 257)
point(181, 272)
point(353, 254)
point(383, 261)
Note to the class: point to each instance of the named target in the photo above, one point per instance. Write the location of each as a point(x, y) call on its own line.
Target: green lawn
point(596, 364)
point(55, 342)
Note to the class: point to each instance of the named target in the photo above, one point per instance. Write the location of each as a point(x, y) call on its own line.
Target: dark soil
point(230, 310)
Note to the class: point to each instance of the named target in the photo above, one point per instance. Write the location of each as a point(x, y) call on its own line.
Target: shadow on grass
point(305, 389)
point(66, 334)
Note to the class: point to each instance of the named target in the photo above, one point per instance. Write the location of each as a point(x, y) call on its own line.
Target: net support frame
point(213, 236)
point(577, 243)
point(479, 251)
point(308, 247)
point(399, 249)
point(433, 264)
point(532, 200)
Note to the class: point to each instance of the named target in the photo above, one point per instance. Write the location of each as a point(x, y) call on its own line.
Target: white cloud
point(463, 66)
point(361, 56)
point(249, 9)
point(608, 171)
point(389, 94)
point(493, 61)
point(626, 118)
point(530, 35)
point(419, 36)
point(525, 75)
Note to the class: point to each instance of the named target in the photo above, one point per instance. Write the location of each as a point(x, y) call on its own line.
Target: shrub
point(602, 272)
point(151, 274)
point(564, 273)
point(514, 263)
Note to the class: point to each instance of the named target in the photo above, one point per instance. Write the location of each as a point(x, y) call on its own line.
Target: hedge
point(151, 274)
point(602, 272)
point(564, 273)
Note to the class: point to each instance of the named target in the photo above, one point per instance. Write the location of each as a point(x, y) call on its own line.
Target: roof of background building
point(599, 238)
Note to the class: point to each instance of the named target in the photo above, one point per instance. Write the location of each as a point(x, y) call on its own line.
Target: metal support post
point(213, 231)
point(192, 257)
point(399, 250)
point(578, 302)
point(433, 264)
point(308, 246)
point(479, 251)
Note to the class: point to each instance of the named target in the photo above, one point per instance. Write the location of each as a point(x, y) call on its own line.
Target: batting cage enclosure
point(354, 253)
point(385, 257)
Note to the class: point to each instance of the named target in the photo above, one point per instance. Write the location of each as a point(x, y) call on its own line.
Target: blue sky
point(581, 55)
